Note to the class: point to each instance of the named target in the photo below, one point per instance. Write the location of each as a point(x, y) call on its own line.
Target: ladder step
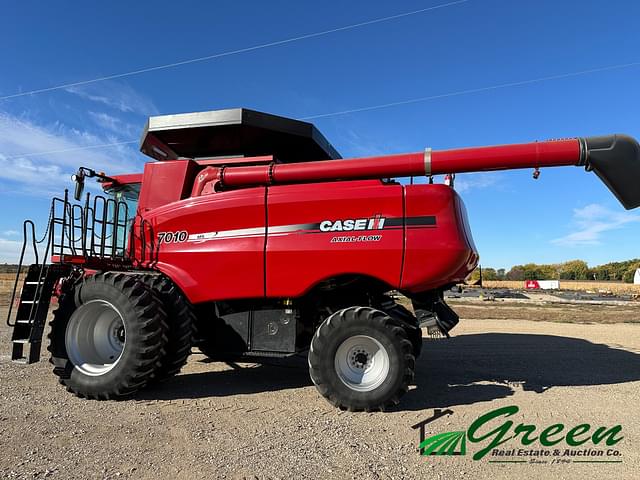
point(32, 310)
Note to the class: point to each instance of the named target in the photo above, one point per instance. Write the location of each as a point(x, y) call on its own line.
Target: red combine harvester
point(249, 238)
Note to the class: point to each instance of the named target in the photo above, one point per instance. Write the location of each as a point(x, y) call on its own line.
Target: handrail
point(91, 229)
point(76, 223)
point(38, 293)
point(22, 252)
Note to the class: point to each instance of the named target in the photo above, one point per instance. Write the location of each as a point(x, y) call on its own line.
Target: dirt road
point(249, 421)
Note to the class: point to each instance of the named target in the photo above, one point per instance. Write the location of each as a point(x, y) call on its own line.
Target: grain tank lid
point(233, 132)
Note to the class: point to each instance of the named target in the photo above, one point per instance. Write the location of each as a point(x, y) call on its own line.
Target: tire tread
point(150, 324)
point(338, 320)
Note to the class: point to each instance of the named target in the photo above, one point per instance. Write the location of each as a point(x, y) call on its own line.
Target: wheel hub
point(360, 359)
point(95, 337)
point(119, 334)
point(362, 363)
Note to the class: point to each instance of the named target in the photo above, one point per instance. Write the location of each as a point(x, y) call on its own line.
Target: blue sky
point(470, 45)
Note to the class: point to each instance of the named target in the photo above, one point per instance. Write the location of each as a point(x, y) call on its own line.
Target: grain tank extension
point(248, 238)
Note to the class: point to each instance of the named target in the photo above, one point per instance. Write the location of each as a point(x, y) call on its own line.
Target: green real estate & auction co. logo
point(493, 430)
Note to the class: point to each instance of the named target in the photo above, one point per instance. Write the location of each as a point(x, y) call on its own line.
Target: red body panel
point(222, 255)
point(444, 253)
point(297, 260)
point(231, 245)
point(171, 180)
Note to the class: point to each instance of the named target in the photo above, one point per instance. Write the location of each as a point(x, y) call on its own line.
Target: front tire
point(360, 359)
point(107, 336)
point(180, 325)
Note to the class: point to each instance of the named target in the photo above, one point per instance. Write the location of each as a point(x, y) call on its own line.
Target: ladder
point(31, 314)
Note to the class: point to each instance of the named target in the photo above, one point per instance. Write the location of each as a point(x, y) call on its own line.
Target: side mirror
point(79, 179)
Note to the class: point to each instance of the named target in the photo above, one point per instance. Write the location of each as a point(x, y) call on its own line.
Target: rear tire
point(180, 324)
point(360, 359)
point(107, 336)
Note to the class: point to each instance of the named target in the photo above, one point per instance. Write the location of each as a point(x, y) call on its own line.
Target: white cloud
point(474, 181)
point(39, 159)
point(357, 146)
point(107, 121)
point(38, 178)
point(115, 95)
point(591, 222)
point(10, 252)
point(115, 124)
point(10, 233)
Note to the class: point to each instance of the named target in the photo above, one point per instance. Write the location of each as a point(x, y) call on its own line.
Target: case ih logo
point(353, 224)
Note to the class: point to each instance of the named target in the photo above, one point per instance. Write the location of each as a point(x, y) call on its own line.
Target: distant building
point(636, 277)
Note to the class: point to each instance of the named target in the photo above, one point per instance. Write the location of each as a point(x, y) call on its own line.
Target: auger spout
point(614, 158)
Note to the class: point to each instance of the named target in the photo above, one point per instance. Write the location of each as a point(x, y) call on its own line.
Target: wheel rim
point(362, 363)
point(95, 337)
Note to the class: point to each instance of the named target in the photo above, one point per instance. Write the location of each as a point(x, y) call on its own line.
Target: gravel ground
point(250, 421)
point(623, 312)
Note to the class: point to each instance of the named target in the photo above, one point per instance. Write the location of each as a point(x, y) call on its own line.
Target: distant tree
point(615, 271)
point(574, 270)
point(571, 270)
point(534, 271)
point(628, 275)
point(489, 274)
point(601, 273)
point(516, 273)
point(548, 272)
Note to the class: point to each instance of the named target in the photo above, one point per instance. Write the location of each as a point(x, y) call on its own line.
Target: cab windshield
point(127, 194)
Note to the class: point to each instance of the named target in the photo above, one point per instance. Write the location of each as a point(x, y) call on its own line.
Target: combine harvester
point(250, 238)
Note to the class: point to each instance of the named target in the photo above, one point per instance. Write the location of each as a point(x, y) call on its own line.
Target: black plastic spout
point(616, 160)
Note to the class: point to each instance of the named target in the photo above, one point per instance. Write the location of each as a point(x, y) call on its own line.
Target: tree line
point(571, 270)
point(10, 268)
